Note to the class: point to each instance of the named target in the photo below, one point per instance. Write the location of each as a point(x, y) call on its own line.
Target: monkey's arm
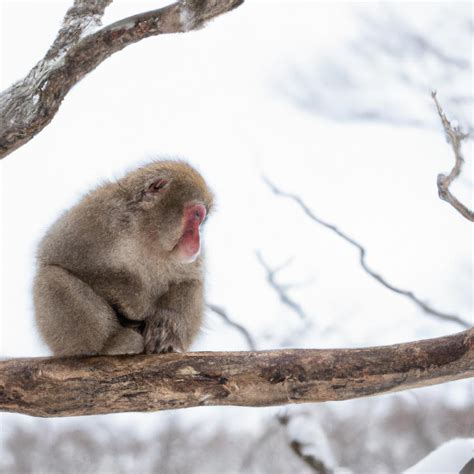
point(177, 318)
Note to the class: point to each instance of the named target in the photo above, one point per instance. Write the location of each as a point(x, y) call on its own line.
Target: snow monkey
point(121, 271)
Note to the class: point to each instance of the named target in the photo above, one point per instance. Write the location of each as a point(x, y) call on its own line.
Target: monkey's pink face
point(189, 244)
point(175, 206)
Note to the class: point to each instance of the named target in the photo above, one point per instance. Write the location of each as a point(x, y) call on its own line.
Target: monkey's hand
point(176, 320)
point(160, 333)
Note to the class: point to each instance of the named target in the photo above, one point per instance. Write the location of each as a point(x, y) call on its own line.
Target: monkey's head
point(171, 200)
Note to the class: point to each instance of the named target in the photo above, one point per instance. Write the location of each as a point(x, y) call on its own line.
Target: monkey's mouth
point(189, 244)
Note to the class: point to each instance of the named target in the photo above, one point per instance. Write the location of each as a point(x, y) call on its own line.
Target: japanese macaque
point(121, 271)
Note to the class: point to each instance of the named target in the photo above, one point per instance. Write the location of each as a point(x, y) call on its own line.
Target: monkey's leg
point(124, 341)
point(177, 319)
point(72, 318)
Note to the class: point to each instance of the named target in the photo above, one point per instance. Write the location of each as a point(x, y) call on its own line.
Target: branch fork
point(30, 104)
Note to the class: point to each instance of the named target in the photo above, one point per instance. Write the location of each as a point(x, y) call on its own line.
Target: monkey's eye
point(157, 185)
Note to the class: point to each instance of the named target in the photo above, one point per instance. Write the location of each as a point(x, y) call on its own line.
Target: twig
point(362, 252)
point(454, 137)
point(245, 333)
point(304, 446)
point(72, 386)
point(280, 289)
point(315, 464)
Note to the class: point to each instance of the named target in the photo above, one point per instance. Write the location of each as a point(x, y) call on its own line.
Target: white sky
point(211, 96)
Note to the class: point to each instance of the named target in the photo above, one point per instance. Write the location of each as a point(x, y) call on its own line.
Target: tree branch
point(31, 103)
point(230, 322)
point(280, 289)
point(318, 466)
point(454, 137)
point(84, 16)
point(309, 442)
point(362, 259)
point(111, 384)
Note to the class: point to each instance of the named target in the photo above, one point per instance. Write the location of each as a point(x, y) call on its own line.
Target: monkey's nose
point(196, 212)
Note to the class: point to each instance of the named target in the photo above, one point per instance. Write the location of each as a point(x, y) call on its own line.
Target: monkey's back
point(82, 235)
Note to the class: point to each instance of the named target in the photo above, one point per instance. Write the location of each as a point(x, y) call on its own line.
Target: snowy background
point(329, 100)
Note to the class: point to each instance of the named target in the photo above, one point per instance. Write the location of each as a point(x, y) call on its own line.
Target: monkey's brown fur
point(111, 275)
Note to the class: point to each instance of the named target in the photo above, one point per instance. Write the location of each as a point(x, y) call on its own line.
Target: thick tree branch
point(455, 138)
point(363, 262)
point(111, 384)
point(31, 103)
point(83, 17)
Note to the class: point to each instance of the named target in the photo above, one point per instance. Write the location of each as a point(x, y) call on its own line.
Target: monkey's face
point(174, 203)
point(188, 246)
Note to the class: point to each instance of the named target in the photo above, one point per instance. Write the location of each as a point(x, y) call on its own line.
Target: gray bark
point(75, 386)
point(31, 103)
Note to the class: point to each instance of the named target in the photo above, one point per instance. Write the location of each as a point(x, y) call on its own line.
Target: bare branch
point(454, 137)
point(362, 258)
point(82, 18)
point(317, 465)
point(280, 289)
point(308, 448)
point(72, 386)
point(245, 333)
point(31, 103)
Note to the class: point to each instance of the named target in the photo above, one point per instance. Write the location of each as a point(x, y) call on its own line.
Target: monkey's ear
point(157, 186)
point(152, 191)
